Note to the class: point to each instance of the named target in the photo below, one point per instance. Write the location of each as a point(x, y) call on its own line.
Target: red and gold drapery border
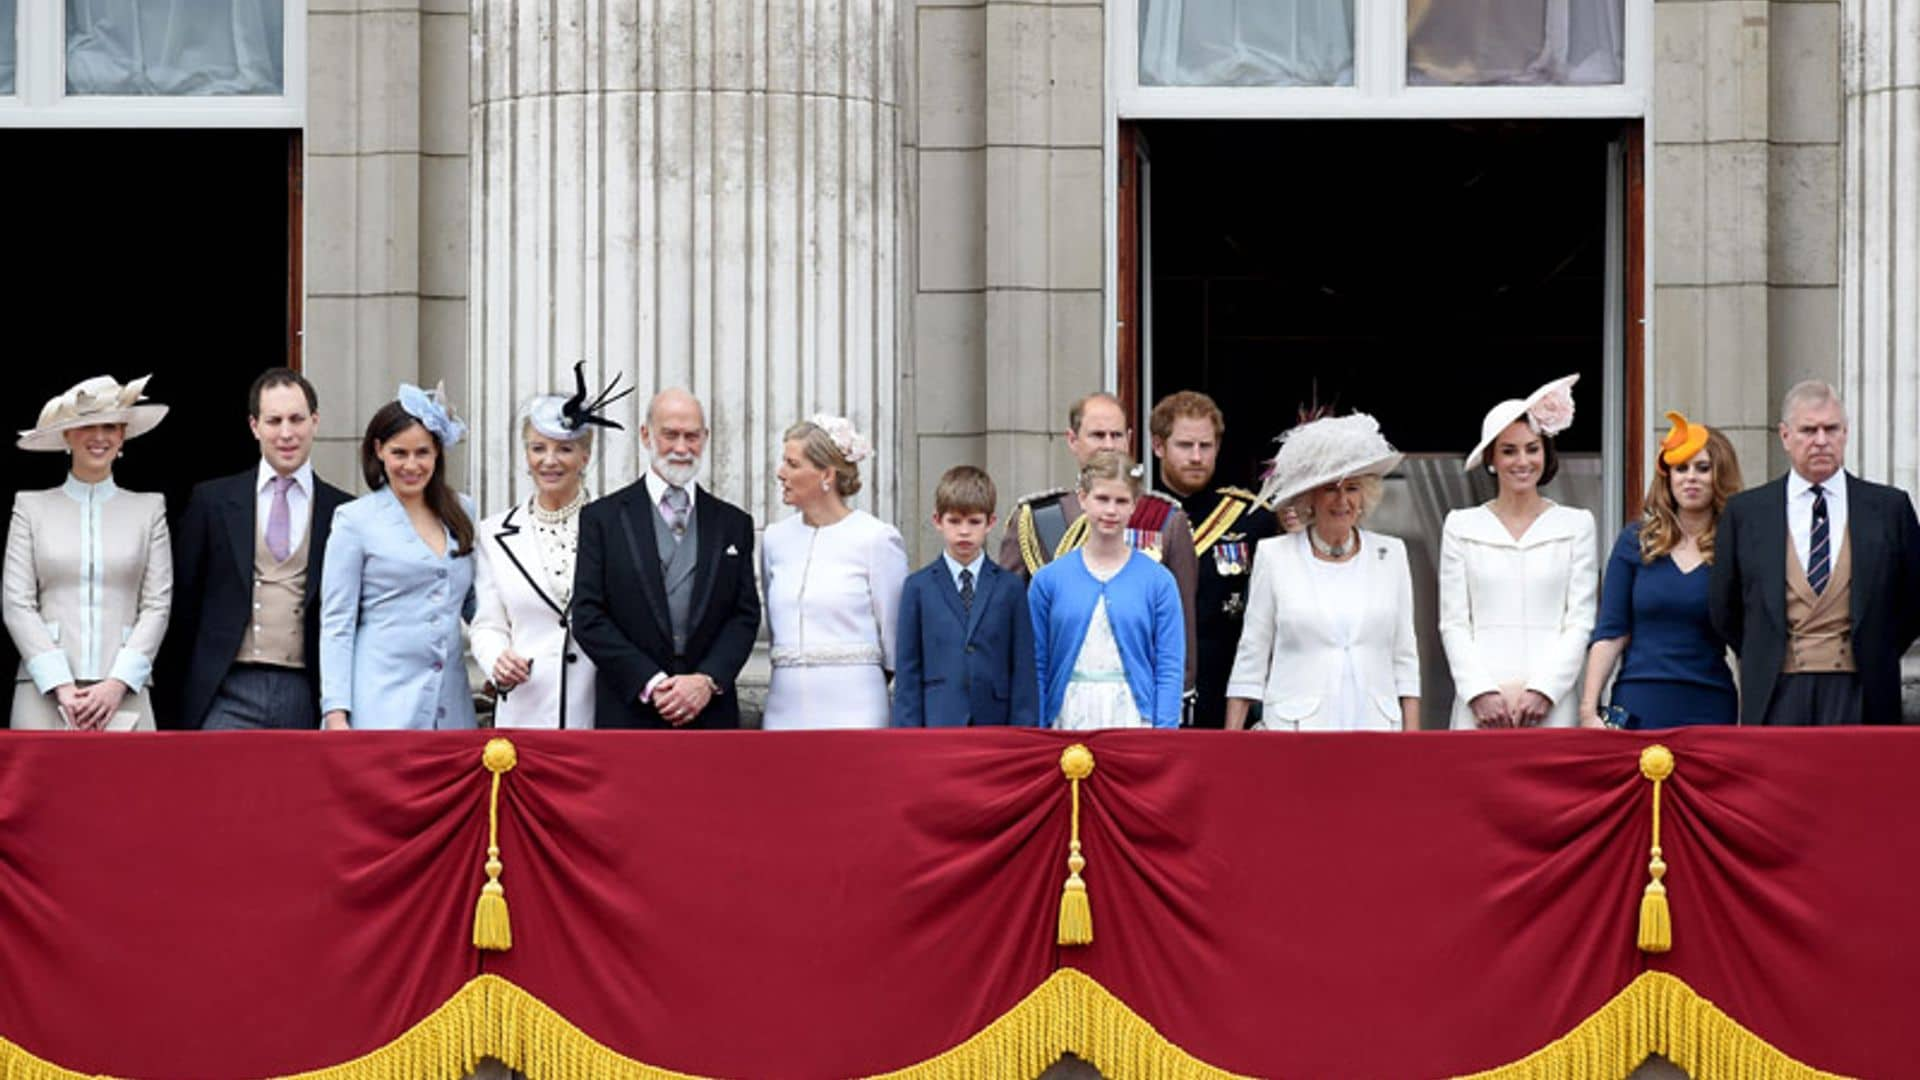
point(226, 907)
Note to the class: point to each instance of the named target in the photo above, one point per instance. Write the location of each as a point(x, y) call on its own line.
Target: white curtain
point(1246, 42)
point(9, 12)
point(1515, 42)
point(174, 47)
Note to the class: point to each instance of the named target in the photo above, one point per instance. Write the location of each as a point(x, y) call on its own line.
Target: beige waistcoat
point(1819, 627)
point(277, 635)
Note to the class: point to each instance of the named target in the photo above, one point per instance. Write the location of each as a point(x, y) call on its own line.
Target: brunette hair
point(1660, 516)
point(824, 453)
point(1110, 465)
point(965, 489)
point(1549, 456)
point(390, 421)
point(280, 376)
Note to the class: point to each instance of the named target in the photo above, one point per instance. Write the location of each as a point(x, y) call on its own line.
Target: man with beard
point(664, 598)
point(1186, 429)
point(1048, 524)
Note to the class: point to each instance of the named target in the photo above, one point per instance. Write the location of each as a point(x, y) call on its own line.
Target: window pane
point(9, 13)
point(174, 47)
point(1514, 42)
point(1246, 42)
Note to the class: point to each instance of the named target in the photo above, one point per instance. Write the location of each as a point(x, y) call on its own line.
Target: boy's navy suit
point(960, 667)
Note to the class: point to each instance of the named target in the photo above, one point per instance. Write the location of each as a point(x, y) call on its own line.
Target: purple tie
point(280, 520)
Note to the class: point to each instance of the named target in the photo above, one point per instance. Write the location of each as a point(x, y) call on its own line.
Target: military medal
point(1231, 555)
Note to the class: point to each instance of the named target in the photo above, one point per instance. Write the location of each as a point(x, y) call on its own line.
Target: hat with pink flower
point(1548, 411)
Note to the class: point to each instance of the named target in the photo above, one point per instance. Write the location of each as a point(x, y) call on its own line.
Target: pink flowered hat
point(1548, 411)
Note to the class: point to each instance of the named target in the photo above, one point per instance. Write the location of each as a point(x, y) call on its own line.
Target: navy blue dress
point(1675, 669)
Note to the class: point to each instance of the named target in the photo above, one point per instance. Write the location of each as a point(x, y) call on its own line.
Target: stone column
point(1880, 246)
point(688, 192)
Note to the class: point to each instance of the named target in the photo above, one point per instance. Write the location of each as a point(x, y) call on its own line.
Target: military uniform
point(1050, 523)
point(1231, 525)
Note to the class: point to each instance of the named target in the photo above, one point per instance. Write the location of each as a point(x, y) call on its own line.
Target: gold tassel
point(492, 930)
point(1076, 913)
point(1656, 922)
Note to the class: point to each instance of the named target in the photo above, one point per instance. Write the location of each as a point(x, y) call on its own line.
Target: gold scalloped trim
point(490, 1017)
point(1657, 1014)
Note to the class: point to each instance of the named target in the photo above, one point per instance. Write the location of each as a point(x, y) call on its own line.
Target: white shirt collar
point(954, 567)
point(657, 488)
point(302, 477)
point(1835, 486)
point(80, 491)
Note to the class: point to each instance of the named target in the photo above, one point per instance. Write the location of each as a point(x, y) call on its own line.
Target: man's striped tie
point(1819, 547)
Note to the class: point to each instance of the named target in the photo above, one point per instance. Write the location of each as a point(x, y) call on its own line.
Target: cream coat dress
point(523, 585)
point(1516, 614)
point(1307, 653)
point(89, 582)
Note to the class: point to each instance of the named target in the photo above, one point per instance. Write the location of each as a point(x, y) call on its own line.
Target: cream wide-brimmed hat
point(1548, 411)
point(1323, 451)
point(99, 400)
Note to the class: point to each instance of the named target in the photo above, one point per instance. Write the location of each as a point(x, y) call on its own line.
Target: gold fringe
point(1076, 910)
point(1657, 1014)
point(1025, 529)
point(1069, 1013)
point(492, 928)
point(1656, 922)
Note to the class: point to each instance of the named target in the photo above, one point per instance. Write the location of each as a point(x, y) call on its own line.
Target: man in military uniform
point(1187, 428)
point(1049, 523)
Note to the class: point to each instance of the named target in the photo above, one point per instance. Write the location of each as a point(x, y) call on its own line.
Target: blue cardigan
point(1143, 605)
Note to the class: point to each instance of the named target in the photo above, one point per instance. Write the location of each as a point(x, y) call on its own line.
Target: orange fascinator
point(1683, 441)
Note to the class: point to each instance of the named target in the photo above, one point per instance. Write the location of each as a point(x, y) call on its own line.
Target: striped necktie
point(1819, 545)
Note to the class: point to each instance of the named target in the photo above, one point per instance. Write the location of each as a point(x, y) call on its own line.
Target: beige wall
point(1743, 222)
point(1003, 140)
point(386, 198)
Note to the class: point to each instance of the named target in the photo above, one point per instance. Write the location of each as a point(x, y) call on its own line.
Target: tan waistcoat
point(277, 635)
point(1819, 627)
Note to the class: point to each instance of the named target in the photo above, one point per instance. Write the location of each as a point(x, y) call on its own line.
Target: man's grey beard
point(677, 475)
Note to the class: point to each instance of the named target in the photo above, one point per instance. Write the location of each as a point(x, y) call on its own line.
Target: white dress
point(1097, 692)
point(833, 604)
point(1515, 615)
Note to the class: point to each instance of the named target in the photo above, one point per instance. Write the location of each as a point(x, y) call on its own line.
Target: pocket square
point(731, 550)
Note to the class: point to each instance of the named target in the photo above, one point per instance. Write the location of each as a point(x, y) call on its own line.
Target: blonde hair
point(1110, 465)
point(823, 453)
point(527, 431)
point(1660, 516)
point(1372, 490)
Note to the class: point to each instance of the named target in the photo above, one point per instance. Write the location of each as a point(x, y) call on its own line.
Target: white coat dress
point(1304, 653)
point(1516, 614)
point(519, 605)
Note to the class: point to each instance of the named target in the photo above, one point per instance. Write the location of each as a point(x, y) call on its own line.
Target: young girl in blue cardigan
point(1109, 634)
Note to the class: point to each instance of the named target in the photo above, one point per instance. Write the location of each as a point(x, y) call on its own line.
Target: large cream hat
point(1322, 451)
point(99, 400)
point(1548, 410)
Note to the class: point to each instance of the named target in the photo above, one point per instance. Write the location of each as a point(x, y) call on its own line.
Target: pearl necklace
point(1333, 551)
point(560, 516)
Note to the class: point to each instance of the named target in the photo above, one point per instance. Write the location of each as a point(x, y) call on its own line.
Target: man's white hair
point(1809, 392)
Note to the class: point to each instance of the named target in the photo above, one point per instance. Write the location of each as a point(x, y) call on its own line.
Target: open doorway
point(1416, 270)
point(134, 252)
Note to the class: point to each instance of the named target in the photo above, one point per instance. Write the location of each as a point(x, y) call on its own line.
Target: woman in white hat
point(89, 570)
point(1518, 576)
point(523, 578)
point(1328, 642)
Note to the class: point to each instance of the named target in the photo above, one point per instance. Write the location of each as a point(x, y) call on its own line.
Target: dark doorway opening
point(1418, 270)
point(147, 251)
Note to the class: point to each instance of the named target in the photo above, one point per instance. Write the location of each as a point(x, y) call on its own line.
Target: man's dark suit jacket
point(960, 668)
point(213, 587)
point(1747, 591)
point(620, 606)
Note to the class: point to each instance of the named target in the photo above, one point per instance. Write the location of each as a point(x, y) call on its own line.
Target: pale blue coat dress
point(391, 653)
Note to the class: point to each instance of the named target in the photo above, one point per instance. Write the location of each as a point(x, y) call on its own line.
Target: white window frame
point(1380, 89)
point(40, 99)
